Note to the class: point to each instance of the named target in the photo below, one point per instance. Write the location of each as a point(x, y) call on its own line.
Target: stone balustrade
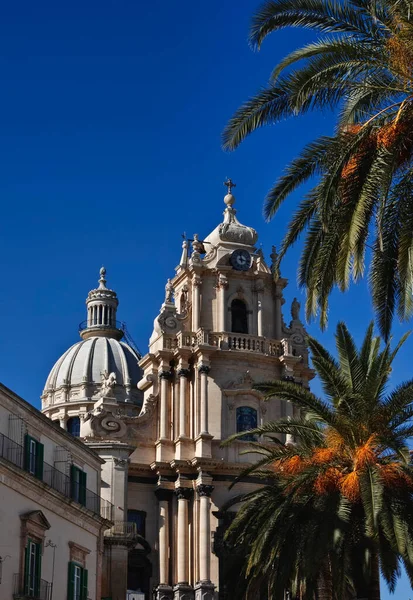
point(228, 341)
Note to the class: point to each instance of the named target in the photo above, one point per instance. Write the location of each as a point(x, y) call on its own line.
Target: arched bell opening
point(239, 316)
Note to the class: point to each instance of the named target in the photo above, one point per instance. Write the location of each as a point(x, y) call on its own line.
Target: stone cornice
point(34, 489)
point(148, 359)
point(39, 422)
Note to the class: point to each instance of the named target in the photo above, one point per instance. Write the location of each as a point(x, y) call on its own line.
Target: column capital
point(204, 489)
point(163, 494)
point(204, 369)
point(165, 375)
point(184, 493)
point(222, 281)
point(183, 373)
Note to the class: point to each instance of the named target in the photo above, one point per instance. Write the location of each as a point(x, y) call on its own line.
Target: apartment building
point(52, 517)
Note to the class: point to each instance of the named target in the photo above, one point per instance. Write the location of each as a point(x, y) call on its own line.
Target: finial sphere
point(102, 271)
point(229, 199)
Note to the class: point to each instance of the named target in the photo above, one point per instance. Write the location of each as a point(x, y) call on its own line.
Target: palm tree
point(363, 195)
point(337, 505)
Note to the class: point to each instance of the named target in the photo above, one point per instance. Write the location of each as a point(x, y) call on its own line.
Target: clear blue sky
point(110, 122)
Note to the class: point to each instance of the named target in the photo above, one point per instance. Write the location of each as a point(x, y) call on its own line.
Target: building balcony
point(14, 453)
point(122, 529)
point(242, 342)
point(124, 533)
point(35, 589)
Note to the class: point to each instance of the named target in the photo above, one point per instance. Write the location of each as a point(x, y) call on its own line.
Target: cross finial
point(229, 184)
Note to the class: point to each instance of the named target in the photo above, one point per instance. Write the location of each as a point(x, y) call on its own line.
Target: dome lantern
point(76, 381)
point(102, 304)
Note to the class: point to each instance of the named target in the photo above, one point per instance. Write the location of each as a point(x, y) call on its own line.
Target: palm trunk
point(374, 586)
point(325, 583)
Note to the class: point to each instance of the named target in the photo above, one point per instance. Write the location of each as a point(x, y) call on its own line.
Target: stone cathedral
point(158, 420)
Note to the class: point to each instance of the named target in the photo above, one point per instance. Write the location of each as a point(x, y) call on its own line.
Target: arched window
point(73, 426)
point(246, 420)
point(239, 317)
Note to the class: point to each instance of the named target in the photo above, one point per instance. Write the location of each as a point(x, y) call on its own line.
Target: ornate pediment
point(37, 518)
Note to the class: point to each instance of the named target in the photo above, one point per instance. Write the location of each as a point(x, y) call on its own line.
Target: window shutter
point(39, 460)
point(82, 490)
point(71, 582)
point(26, 461)
point(26, 568)
point(72, 482)
point(38, 573)
point(84, 591)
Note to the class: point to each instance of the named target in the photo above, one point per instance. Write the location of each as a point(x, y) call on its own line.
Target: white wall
point(62, 531)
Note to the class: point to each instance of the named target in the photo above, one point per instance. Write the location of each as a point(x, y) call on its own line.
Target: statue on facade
point(108, 383)
point(295, 310)
point(169, 292)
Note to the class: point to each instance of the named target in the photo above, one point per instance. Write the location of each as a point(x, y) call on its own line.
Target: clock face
point(241, 260)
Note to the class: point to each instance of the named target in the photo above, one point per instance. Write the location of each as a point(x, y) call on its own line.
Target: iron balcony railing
point(111, 324)
point(33, 589)
point(59, 481)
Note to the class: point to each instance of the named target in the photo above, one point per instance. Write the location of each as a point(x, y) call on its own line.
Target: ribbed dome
point(75, 382)
point(85, 362)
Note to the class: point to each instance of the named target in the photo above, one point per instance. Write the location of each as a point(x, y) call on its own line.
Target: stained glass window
point(246, 419)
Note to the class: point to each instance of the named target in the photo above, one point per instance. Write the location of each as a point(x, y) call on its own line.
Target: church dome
point(74, 383)
point(85, 361)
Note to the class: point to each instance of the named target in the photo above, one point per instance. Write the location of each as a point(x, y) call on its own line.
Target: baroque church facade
point(159, 420)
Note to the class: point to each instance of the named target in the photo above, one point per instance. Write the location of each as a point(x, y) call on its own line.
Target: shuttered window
point(33, 456)
point(78, 485)
point(77, 585)
point(32, 568)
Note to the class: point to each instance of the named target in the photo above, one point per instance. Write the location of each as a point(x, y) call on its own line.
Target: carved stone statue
point(183, 303)
point(108, 383)
point(295, 310)
point(169, 292)
point(197, 249)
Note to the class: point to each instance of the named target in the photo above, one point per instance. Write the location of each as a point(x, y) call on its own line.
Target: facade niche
point(239, 316)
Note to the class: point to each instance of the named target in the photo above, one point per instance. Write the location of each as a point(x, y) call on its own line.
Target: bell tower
point(220, 329)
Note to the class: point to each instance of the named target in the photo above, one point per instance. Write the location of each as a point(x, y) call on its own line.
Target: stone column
point(164, 432)
point(278, 317)
point(196, 302)
point(289, 439)
point(183, 375)
point(259, 313)
point(204, 589)
point(203, 446)
point(164, 590)
point(117, 539)
point(222, 308)
point(203, 371)
point(182, 590)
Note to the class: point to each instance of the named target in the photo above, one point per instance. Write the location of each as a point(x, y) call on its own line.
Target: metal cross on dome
point(229, 183)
